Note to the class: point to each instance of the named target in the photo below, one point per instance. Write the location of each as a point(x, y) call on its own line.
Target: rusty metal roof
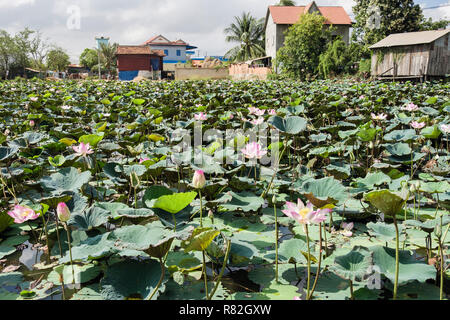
point(138, 50)
point(410, 38)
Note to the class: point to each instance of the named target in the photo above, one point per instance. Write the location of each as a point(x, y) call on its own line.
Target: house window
point(178, 53)
point(166, 52)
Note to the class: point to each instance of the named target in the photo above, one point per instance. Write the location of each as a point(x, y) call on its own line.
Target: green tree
point(248, 32)
point(429, 24)
point(304, 43)
point(335, 59)
point(376, 19)
point(57, 59)
point(89, 58)
point(286, 3)
point(7, 50)
point(108, 58)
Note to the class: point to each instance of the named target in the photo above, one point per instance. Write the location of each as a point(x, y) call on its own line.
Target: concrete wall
point(201, 73)
point(245, 72)
point(343, 31)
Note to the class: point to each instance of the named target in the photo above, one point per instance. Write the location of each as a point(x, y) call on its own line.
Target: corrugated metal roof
point(410, 38)
point(291, 14)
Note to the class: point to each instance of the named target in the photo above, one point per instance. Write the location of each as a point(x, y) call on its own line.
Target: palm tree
point(286, 3)
point(249, 33)
point(108, 58)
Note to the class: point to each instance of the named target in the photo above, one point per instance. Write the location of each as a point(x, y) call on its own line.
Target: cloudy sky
point(198, 22)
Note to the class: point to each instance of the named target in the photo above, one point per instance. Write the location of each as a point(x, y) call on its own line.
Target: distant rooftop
point(138, 50)
point(163, 41)
point(410, 38)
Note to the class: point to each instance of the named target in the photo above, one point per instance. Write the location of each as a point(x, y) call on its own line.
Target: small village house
point(411, 55)
point(174, 51)
point(136, 60)
point(280, 18)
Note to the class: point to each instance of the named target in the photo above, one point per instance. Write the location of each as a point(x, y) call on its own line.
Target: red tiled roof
point(165, 43)
point(138, 50)
point(291, 14)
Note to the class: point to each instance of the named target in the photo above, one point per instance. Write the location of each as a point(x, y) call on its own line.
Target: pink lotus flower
point(200, 116)
point(381, 116)
point(22, 214)
point(199, 179)
point(272, 112)
point(417, 125)
point(253, 150)
point(346, 229)
point(445, 128)
point(259, 112)
point(63, 212)
point(252, 110)
point(231, 116)
point(411, 107)
point(32, 123)
point(83, 149)
point(362, 97)
point(257, 122)
point(305, 214)
point(34, 99)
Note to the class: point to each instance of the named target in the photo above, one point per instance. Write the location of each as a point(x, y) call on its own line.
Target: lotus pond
point(306, 191)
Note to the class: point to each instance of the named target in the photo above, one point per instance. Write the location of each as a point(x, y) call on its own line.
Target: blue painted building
point(175, 51)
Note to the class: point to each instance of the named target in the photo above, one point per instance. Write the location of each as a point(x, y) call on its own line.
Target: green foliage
point(58, 59)
point(335, 59)
point(89, 58)
point(304, 43)
point(248, 33)
point(376, 19)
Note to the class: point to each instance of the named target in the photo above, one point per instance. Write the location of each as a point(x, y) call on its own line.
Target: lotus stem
point(276, 242)
point(308, 263)
point(441, 291)
point(201, 208)
point(46, 239)
point(163, 272)
point(396, 257)
point(57, 235)
point(70, 251)
point(205, 275)
point(319, 262)
point(222, 271)
point(352, 297)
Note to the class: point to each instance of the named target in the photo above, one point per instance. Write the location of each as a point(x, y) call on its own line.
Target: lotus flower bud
point(438, 230)
point(63, 212)
point(211, 216)
point(199, 180)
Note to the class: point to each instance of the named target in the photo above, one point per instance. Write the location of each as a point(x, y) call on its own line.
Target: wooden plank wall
point(439, 64)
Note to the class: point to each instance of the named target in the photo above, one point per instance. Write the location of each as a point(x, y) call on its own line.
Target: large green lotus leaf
point(410, 268)
point(291, 125)
point(416, 156)
point(383, 231)
point(6, 153)
point(388, 202)
point(57, 161)
point(112, 207)
point(418, 291)
point(90, 218)
point(192, 291)
point(200, 239)
point(67, 179)
point(324, 191)
point(435, 187)
point(91, 292)
point(430, 224)
point(245, 201)
point(176, 202)
point(332, 287)
point(353, 265)
point(92, 248)
point(431, 132)
point(291, 250)
point(33, 137)
point(398, 149)
point(8, 281)
point(131, 279)
point(152, 238)
point(7, 246)
point(400, 135)
point(137, 168)
point(92, 139)
point(264, 275)
point(183, 261)
point(275, 291)
point(367, 134)
point(372, 179)
point(82, 274)
point(153, 193)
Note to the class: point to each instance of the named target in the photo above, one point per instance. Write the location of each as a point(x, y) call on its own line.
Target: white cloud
point(14, 3)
